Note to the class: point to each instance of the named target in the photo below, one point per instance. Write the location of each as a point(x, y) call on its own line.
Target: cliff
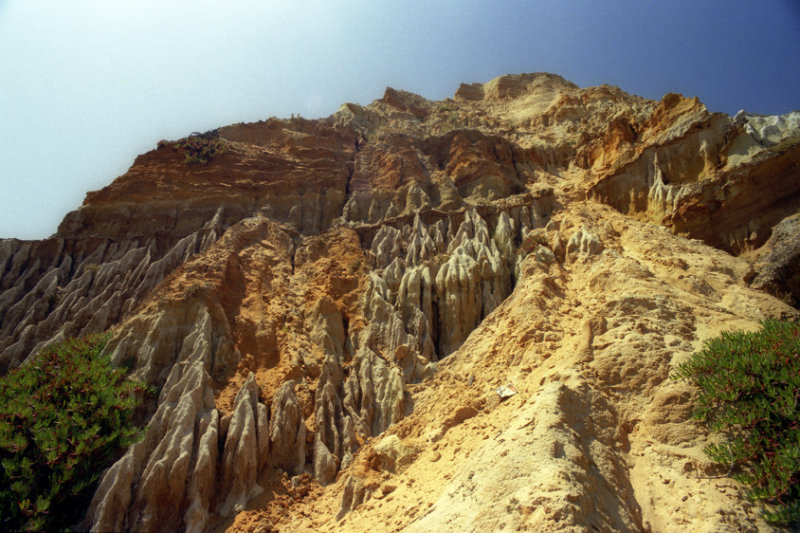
point(328, 307)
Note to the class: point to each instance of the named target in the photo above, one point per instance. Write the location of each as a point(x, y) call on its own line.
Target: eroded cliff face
point(328, 308)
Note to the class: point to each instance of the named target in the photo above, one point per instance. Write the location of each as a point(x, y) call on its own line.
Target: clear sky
point(86, 85)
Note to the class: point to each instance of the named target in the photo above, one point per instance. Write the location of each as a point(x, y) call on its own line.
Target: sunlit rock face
point(705, 175)
point(327, 307)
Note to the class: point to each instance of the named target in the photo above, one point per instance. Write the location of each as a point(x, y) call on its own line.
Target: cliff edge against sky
point(328, 307)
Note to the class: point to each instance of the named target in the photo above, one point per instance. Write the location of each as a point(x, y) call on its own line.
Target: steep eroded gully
point(431, 284)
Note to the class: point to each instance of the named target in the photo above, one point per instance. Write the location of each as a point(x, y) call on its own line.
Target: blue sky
point(86, 85)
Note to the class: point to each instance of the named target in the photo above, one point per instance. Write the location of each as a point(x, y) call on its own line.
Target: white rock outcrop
point(287, 431)
point(81, 291)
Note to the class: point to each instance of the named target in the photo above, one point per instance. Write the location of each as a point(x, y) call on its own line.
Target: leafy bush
point(64, 417)
point(199, 150)
point(750, 389)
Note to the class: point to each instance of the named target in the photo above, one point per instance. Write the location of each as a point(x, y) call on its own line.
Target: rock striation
point(328, 307)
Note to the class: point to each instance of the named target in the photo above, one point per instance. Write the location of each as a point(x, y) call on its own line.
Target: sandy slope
point(597, 436)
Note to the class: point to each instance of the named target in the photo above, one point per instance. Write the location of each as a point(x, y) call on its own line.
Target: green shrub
point(199, 150)
point(749, 390)
point(64, 417)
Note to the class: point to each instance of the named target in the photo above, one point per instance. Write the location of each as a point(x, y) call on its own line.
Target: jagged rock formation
point(63, 287)
point(340, 298)
point(777, 262)
point(698, 173)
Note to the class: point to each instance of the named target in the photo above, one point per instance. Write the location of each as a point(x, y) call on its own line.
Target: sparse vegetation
point(533, 241)
point(749, 391)
point(447, 119)
point(198, 147)
point(64, 417)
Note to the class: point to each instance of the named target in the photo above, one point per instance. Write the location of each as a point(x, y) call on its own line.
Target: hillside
point(328, 307)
